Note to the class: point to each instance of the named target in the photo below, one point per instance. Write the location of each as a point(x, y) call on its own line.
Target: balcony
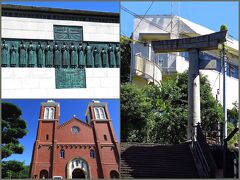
point(145, 71)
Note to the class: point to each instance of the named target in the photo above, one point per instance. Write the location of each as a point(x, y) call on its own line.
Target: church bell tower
point(98, 116)
point(45, 140)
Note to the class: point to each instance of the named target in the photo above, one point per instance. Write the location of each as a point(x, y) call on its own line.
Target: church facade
point(75, 149)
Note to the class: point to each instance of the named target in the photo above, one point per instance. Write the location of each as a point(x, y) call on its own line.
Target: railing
point(40, 53)
point(203, 157)
point(146, 68)
point(213, 132)
point(201, 163)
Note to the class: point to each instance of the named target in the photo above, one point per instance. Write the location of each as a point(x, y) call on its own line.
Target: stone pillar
point(193, 92)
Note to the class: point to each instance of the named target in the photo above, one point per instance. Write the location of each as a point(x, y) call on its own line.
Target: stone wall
point(30, 83)
point(33, 28)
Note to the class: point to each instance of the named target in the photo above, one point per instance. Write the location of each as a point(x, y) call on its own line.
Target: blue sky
point(68, 108)
point(209, 14)
point(110, 6)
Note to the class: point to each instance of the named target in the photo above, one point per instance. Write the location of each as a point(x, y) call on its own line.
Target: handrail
point(204, 157)
point(236, 165)
point(202, 164)
point(146, 59)
point(147, 68)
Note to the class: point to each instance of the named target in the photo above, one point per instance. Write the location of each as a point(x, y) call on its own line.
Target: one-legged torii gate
point(193, 45)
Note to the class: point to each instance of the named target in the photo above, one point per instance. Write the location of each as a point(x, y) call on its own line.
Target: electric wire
point(143, 16)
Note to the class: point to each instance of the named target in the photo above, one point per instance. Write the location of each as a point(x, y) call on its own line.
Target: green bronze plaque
point(70, 78)
point(69, 33)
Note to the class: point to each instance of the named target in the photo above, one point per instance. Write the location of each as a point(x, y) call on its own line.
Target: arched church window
point(96, 112)
point(62, 153)
point(92, 154)
point(46, 113)
point(99, 113)
point(102, 113)
point(51, 113)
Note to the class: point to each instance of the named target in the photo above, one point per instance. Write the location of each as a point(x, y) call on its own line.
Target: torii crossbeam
point(193, 46)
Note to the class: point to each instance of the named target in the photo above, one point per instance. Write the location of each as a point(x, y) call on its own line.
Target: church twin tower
point(75, 149)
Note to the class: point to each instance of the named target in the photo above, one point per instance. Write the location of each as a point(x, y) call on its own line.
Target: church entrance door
point(78, 173)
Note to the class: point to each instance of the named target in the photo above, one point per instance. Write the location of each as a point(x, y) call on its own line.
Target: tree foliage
point(232, 116)
point(159, 114)
point(14, 169)
point(13, 128)
point(125, 59)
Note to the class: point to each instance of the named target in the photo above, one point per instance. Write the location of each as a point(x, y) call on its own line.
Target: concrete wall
point(40, 83)
point(216, 81)
point(33, 28)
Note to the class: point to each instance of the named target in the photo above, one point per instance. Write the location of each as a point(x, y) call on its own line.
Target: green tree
point(134, 110)
point(165, 110)
point(14, 169)
point(232, 114)
point(13, 128)
point(125, 59)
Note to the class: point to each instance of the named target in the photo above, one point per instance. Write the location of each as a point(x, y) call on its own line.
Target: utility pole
point(224, 65)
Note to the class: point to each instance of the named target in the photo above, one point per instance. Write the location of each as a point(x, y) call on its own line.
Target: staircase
point(157, 161)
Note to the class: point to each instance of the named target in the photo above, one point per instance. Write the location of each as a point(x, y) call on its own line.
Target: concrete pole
point(193, 92)
point(224, 65)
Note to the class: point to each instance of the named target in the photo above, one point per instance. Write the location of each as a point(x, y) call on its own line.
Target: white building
point(147, 67)
point(41, 25)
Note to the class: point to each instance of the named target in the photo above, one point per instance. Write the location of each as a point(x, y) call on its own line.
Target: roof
point(59, 13)
point(201, 30)
point(232, 43)
point(74, 119)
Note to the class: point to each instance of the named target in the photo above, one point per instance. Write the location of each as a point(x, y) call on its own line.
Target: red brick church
point(75, 149)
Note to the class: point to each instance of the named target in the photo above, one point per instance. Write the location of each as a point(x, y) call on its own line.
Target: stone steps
point(157, 161)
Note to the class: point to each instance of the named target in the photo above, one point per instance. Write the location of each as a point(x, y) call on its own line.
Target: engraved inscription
point(73, 33)
point(70, 78)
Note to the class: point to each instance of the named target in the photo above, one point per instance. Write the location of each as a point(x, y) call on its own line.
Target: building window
point(75, 130)
point(102, 113)
point(99, 113)
point(49, 113)
point(47, 137)
point(96, 112)
point(62, 153)
point(105, 137)
point(46, 112)
point(92, 154)
point(232, 70)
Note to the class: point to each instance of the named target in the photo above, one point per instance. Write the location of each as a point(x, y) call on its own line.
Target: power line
point(143, 16)
point(144, 19)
